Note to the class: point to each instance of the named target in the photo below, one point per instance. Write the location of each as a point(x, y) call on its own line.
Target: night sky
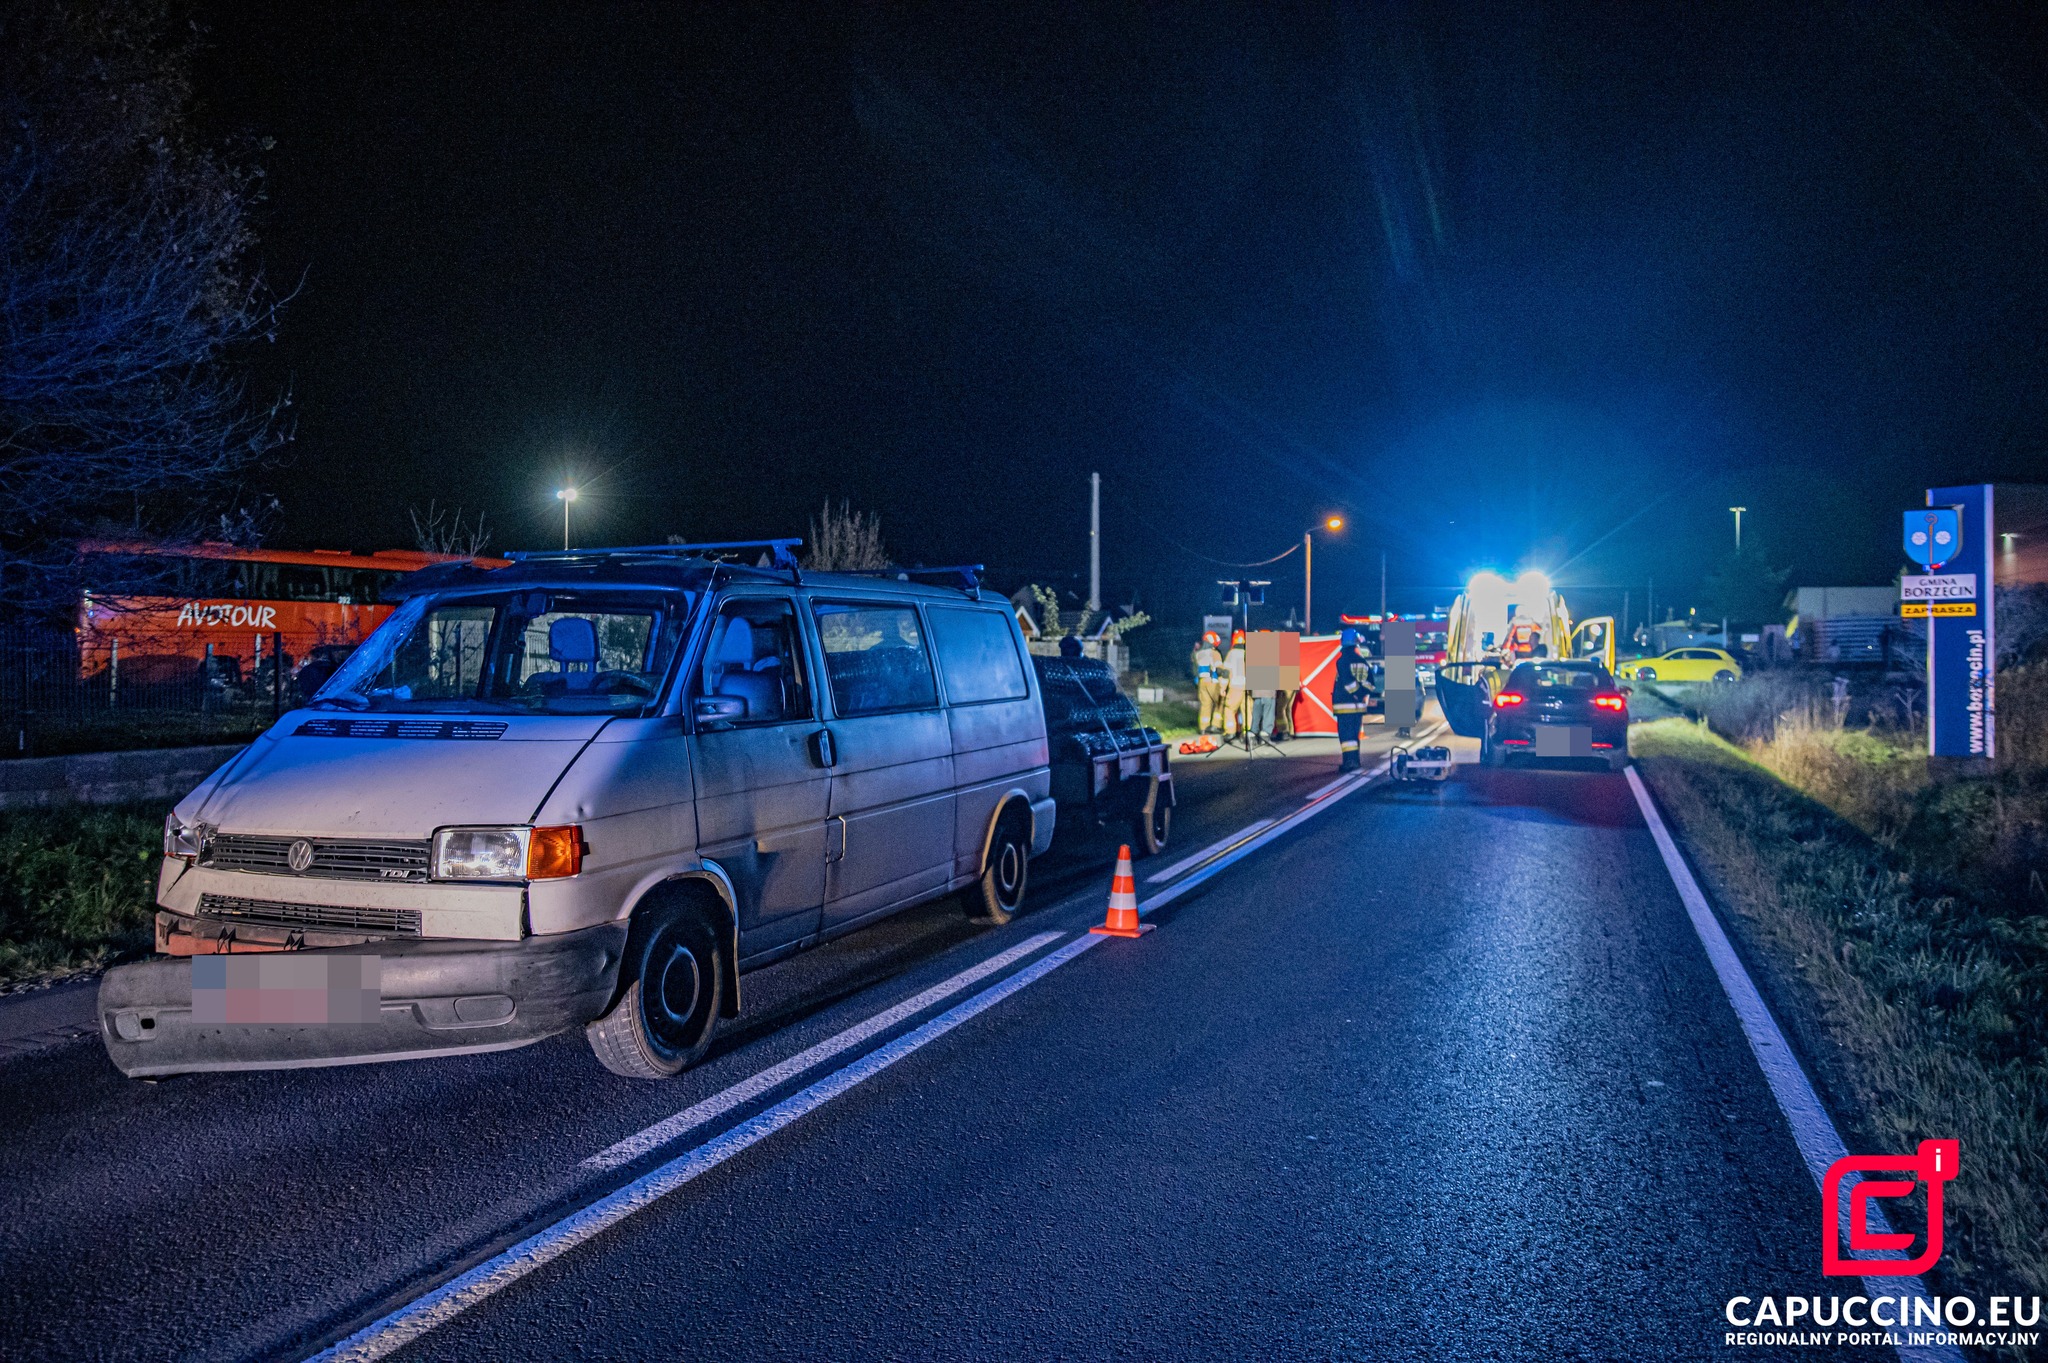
point(1507, 285)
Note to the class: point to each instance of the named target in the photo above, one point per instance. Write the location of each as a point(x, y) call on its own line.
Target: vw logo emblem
point(301, 855)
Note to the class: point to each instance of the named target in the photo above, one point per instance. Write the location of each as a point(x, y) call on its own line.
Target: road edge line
point(1813, 1131)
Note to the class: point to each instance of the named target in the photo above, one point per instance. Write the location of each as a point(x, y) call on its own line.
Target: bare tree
point(843, 538)
point(126, 282)
point(442, 530)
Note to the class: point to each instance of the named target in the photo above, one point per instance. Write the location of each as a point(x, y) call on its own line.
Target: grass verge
point(1922, 1011)
point(1174, 719)
point(77, 888)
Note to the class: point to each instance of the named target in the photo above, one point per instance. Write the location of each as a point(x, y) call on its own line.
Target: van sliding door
point(892, 779)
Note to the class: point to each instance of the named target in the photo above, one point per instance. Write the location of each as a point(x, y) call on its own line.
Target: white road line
point(393, 1331)
point(1820, 1145)
point(1217, 849)
point(1213, 849)
point(752, 1087)
point(1322, 790)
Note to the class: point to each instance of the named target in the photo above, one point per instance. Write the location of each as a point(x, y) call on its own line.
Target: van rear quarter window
point(875, 658)
point(978, 655)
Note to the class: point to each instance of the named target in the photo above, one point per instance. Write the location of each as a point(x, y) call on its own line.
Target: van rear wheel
point(999, 895)
point(675, 982)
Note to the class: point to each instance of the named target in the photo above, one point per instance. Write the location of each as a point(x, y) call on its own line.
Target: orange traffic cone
point(1123, 901)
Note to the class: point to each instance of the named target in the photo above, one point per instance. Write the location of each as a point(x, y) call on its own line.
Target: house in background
point(1096, 643)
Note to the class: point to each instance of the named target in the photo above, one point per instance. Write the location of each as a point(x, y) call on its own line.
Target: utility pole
point(1308, 581)
point(1095, 542)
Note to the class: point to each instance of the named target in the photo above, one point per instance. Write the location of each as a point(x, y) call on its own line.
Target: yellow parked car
point(1683, 665)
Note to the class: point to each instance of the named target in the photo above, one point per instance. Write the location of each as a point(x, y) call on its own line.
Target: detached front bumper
point(431, 998)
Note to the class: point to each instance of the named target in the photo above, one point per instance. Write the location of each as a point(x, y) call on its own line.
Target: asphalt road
point(1442, 1072)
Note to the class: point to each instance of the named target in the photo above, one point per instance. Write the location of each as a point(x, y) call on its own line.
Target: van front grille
point(333, 858)
point(327, 917)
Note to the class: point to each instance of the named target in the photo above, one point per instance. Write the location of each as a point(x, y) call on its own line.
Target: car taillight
point(1615, 703)
point(1508, 699)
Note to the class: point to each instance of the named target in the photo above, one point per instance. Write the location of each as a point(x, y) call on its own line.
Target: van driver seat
point(761, 690)
point(572, 647)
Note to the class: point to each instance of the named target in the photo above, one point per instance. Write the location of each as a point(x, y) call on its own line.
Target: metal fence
point(51, 702)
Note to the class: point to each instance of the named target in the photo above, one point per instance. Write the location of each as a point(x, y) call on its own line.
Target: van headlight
point(507, 853)
point(185, 841)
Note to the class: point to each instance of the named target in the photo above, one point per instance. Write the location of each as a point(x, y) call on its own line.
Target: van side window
point(875, 657)
point(977, 655)
point(754, 655)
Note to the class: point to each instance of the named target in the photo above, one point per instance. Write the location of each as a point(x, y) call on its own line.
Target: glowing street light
point(1308, 571)
point(565, 496)
point(1738, 510)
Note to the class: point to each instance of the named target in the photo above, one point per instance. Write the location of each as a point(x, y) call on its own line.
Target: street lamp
point(1308, 571)
point(1738, 510)
point(565, 496)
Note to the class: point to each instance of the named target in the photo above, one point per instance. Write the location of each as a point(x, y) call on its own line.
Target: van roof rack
point(966, 576)
point(781, 552)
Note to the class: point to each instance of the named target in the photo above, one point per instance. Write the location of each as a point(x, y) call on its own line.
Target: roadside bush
point(1750, 709)
point(77, 887)
point(2023, 721)
point(2023, 624)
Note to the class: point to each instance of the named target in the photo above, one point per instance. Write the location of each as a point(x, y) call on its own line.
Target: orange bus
point(151, 607)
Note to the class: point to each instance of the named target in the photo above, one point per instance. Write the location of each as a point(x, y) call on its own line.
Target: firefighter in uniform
point(1209, 683)
point(1351, 694)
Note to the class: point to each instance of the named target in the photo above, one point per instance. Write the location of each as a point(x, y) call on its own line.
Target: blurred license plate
point(286, 988)
point(1564, 740)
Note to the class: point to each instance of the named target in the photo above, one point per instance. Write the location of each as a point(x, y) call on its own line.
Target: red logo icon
point(1934, 1165)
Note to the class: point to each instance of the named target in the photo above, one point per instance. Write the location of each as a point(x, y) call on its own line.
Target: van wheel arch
point(709, 893)
point(1015, 804)
point(997, 894)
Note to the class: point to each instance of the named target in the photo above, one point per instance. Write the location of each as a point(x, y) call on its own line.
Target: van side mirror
point(713, 713)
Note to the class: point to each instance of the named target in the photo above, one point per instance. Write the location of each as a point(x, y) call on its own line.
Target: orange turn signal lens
point(552, 853)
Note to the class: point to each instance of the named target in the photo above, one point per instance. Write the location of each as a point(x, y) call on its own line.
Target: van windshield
point(550, 652)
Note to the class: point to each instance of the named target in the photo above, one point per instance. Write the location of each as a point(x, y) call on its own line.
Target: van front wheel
point(662, 1023)
point(999, 895)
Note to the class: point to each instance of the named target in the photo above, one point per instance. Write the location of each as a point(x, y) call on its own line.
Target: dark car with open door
point(1559, 709)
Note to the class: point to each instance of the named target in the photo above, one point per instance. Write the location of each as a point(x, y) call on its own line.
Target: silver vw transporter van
point(588, 790)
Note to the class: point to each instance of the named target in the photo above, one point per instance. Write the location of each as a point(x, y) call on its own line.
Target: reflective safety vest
point(1207, 664)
